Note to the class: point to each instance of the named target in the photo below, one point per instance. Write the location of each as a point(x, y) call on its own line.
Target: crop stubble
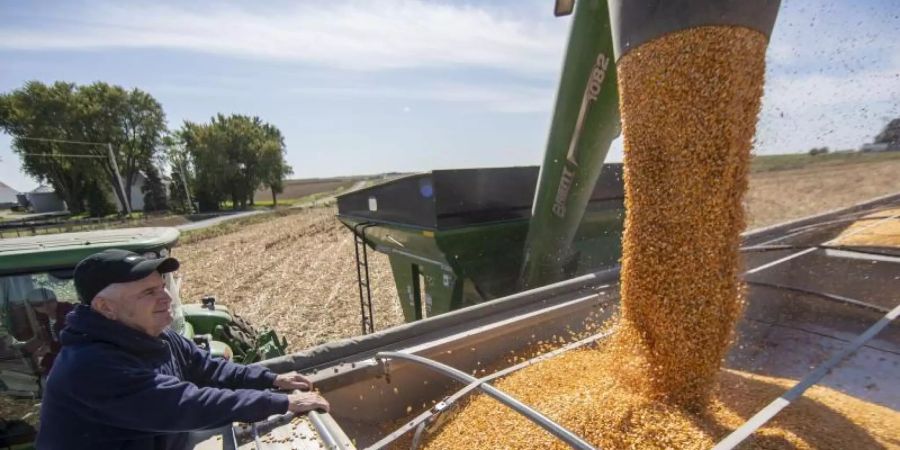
point(295, 274)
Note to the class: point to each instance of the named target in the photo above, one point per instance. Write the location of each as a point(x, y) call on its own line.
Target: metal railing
point(22, 228)
point(541, 420)
point(419, 422)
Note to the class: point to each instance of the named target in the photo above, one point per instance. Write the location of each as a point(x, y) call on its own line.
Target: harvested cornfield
point(783, 195)
point(222, 265)
point(294, 189)
point(295, 274)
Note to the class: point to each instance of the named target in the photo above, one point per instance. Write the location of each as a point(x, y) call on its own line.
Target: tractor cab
point(37, 291)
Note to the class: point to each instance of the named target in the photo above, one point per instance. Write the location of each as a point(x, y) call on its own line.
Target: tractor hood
point(65, 250)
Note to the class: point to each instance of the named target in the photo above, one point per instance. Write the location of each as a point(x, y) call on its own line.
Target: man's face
point(143, 304)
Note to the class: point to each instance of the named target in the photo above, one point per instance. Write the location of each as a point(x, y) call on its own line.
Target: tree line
point(64, 134)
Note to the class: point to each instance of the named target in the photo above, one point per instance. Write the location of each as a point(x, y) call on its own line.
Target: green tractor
point(37, 291)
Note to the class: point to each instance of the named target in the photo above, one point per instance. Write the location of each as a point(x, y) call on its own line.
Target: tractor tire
point(243, 325)
point(243, 332)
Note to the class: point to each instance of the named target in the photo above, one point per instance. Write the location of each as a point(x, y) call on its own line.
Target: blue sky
point(373, 86)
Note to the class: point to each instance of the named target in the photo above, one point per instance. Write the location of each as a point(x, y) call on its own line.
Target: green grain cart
point(455, 238)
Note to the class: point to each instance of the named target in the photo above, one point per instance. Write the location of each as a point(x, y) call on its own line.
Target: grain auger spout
point(585, 122)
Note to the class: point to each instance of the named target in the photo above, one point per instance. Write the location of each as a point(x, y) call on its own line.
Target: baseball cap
point(100, 270)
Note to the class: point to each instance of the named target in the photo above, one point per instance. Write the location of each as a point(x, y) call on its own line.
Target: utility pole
point(112, 160)
point(187, 192)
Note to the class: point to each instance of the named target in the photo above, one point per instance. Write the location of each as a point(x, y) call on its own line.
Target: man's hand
point(292, 380)
point(303, 402)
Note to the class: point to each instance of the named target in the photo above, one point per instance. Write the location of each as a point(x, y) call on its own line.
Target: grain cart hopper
point(455, 237)
point(36, 291)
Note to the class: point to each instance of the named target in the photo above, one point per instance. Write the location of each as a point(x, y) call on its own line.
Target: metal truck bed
point(807, 299)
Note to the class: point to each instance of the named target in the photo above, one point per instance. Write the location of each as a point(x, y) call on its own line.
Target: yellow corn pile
point(581, 391)
point(880, 229)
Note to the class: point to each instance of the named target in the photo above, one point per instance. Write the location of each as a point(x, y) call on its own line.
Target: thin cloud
point(347, 35)
point(510, 98)
point(832, 79)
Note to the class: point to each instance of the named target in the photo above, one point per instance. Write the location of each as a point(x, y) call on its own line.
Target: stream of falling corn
point(689, 107)
point(690, 102)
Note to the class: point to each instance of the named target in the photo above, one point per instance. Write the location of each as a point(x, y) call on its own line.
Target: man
point(50, 315)
point(124, 381)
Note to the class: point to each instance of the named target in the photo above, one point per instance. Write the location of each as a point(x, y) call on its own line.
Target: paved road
point(217, 220)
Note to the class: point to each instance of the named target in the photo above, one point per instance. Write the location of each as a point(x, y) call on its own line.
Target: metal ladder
point(362, 277)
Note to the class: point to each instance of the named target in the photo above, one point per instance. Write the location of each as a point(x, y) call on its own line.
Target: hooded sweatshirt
point(114, 387)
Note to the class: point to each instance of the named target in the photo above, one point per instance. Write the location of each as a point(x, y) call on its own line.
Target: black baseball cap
point(100, 270)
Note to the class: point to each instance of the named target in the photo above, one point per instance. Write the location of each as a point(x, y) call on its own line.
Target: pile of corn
point(581, 391)
point(880, 229)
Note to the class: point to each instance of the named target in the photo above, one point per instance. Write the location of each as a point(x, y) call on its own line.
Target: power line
point(65, 141)
point(55, 155)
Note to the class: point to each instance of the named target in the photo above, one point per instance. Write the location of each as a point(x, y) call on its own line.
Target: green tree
point(178, 159)
point(232, 157)
point(154, 191)
point(208, 162)
point(132, 122)
point(50, 111)
point(275, 169)
point(890, 134)
point(96, 199)
point(178, 200)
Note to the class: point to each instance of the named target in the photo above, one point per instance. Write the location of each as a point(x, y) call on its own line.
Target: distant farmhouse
point(137, 191)
point(43, 200)
point(876, 148)
point(8, 196)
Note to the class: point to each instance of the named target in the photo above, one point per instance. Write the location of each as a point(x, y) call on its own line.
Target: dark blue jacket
point(112, 387)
